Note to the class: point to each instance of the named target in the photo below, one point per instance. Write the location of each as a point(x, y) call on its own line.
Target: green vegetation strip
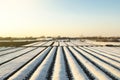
point(14, 44)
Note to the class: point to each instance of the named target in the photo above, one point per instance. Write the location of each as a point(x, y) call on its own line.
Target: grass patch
point(14, 44)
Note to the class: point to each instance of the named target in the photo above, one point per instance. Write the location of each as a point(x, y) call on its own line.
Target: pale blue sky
point(59, 17)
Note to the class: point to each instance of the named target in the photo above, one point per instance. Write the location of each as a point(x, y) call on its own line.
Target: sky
point(21, 18)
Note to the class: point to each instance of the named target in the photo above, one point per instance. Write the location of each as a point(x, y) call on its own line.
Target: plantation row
point(58, 60)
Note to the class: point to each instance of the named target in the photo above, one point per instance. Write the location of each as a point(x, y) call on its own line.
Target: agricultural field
point(60, 60)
